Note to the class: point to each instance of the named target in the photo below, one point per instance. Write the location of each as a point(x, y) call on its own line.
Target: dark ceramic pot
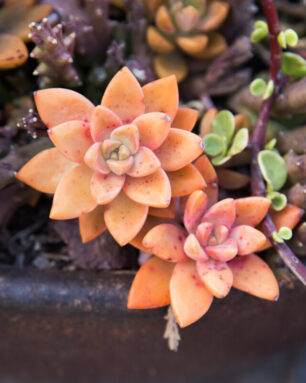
point(74, 327)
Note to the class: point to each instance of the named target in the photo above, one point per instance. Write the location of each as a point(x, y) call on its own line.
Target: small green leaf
point(277, 238)
point(281, 38)
point(257, 87)
point(278, 200)
point(273, 168)
point(214, 144)
point(224, 125)
point(260, 31)
point(292, 38)
point(293, 65)
point(240, 142)
point(285, 233)
point(269, 90)
point(271, 144)
point(220, 160)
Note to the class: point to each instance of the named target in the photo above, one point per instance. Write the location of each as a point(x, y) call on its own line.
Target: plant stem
point(257, 183)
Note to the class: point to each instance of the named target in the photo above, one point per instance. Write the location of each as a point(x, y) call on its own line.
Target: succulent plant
point(15, 15)
point(224, 135)
point(55, 54)
point(186, 26)
point(109, 162)
point(213, 253)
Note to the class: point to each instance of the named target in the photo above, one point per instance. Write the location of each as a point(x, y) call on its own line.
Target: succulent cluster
point(185, 26)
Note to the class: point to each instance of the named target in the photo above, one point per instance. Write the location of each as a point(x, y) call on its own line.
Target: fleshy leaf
point(231, 179)
point(203, 231)
point(166, 212)
point(216, 276)
point(13, 51)
point(151, 285)
point(106, 187)
point(240, 142)
point(206, 169)
point(124, 218)
point(194, 209)
point(45, 170)
point(73, 197)
point(72, 139)
point(214, 144)
point(128, 135)
point(145, 163)
point(94, 160)
point(162, 96)
point(251, 210)
point(153, 190)
point(247, 238)
point(190, 299)
point(124, 96)
point(222, 213)
point(153, 129)
point(185, 119)
point(224, 125)
point(103, 122)
point(186, 180)
point(293, 64)
point(253, 275)
point(179, 149)
point(57, 105)
point(278, 200)
point(273, 168)
point(193, 249)
point(92, 224)
point(224, 251)
point(166, 241)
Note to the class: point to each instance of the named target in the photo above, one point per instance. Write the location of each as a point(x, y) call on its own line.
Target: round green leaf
point(240, 142)
point(269, 90)
point(224, 125)
point(260, 31)
point(257, 87)
point(285, 233)
point(281, 38)
point(292, 38)
point(293, 64)
point(278, 200)
point(271, 144)
point(273, 168)
point(214, 144)
point(277, 238)
point(220, 160)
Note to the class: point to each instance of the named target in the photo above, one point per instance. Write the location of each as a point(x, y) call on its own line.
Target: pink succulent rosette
point(115, 163)
point(205, 259)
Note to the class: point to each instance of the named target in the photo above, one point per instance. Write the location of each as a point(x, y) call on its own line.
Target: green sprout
point(259, 87)
point(260, 31)
point(293, 65)
point(284, 234)
point(223, 143)
point(288, 38)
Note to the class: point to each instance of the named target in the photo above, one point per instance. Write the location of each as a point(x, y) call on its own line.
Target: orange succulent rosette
point(212, 254)
point(115, 163)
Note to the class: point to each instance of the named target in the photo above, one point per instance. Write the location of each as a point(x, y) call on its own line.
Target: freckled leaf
point(224, 125)
point(240, 142)
point(214, 144)
point(293, 65)
point(273, 168)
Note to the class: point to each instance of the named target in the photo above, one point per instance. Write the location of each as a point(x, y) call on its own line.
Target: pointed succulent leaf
point(186, 180)
point(193, 249)
point(240, 142)
point(13, 51)
point(247, 238)
point(216, 276)
point(214, 144)
point(45, 170)
point(166, 241)
point(273, 168)
point(223, 252)
point(103, 122)
point(151, 285)
point(224, 125)
point(124, 96)
point(222, 213)
point(92, 224)
point(185, 119)
point(106, 187)
point(190, 299)
point(293, 64)
point(251, 210)
point(124, 218)
point(253, 275)
point(194, 209)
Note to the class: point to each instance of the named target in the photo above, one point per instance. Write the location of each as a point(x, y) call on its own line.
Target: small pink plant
point(213, 253)
point(115, 163)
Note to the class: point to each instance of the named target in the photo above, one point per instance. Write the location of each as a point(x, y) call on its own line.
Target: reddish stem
point(257, 183)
